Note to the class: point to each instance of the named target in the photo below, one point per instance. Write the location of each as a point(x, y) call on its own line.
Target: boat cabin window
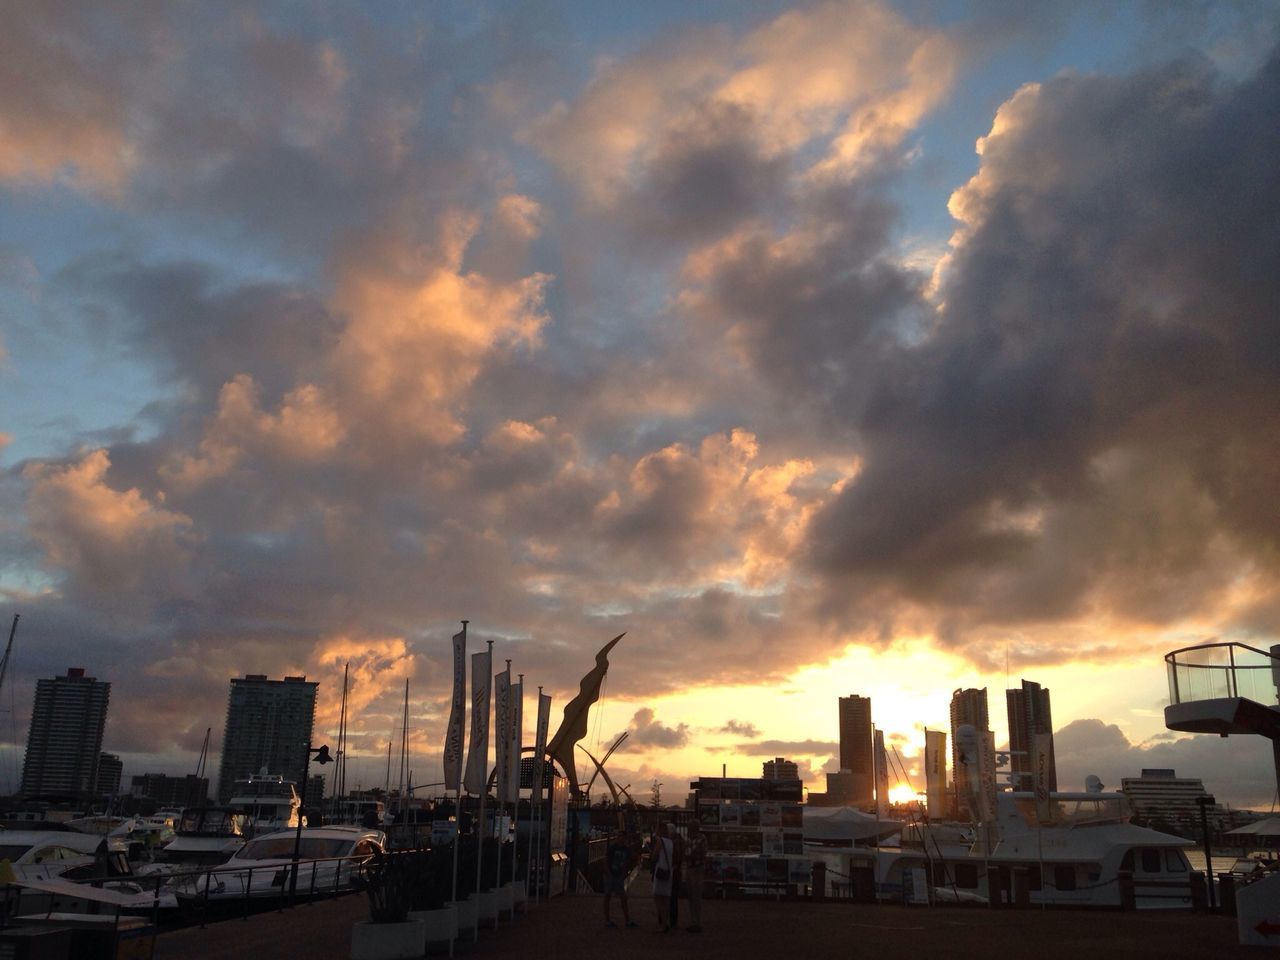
point(281, 848)
point(1175, 862)
point(1074, 810)
point(1150, 860)
point(1064, 877)
point(1033, 878)
point(964, 876)
point(365, 848)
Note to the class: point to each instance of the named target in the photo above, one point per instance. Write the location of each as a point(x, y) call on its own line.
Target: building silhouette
point(1029, 714)
point(780, 768)
point(856, 750)
point(967, 707)
point(1168, 801)
point(110, 772)
point(170, 791)
point(268, 727)
point(64, 744)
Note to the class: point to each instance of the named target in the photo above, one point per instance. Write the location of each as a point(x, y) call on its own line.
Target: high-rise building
point(64, 744)
point(967, 707)
point(1029, 714)
point(1162, 798)
point(110, 772)
point(781, 769)
point(856, 748)
point(268, 728)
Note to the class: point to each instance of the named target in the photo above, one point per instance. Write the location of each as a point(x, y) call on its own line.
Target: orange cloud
point(110, 538)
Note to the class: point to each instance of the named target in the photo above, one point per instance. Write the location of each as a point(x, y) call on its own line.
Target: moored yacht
point(1085, 854)
point(269, 800)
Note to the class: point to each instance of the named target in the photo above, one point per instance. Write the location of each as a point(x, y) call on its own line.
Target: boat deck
point(572, 928)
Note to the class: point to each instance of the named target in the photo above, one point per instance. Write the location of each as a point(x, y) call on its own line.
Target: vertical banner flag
point(1041, 744)
point(502, 732)
point(987, 775)
point(478, 749)
point(935, 771)
point(540, 744)
point(882, 776)
point(457, 711)
point(517, 740)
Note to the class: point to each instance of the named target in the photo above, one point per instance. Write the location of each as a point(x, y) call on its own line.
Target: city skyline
point(898, 346)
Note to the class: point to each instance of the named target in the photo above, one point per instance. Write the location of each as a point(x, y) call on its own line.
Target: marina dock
point(572, 928)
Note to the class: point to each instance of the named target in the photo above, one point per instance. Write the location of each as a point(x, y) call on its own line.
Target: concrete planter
point(466, 917)
point(487, 908)
point(441, 927)
point(387, 941)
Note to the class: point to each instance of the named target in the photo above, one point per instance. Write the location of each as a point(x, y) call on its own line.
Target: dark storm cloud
point(1092, 420)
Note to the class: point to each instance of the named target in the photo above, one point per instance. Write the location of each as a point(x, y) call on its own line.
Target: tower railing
point(1214, 671)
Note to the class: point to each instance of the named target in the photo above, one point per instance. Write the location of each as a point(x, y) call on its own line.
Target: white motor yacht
point(270, 801)
point(329, 862)
point(1076, 858)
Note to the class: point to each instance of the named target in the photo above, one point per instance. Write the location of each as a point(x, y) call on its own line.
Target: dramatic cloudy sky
point(840, 347)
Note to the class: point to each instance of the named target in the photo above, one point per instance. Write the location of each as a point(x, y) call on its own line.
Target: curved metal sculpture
point(574, 725)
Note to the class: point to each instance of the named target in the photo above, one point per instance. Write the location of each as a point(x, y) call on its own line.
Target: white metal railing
point(1214, 671)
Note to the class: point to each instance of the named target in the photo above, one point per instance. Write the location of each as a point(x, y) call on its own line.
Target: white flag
point(478, 749)
point(540, 744)
point(502, 732)
point(517, 741)
point(457, 712)
point(935, 771)
point(1041, 762)
point(882, 775)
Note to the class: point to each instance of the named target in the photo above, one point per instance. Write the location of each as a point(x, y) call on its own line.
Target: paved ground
point(572, 928)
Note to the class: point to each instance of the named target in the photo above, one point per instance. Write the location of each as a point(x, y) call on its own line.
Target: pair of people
point(671, 857)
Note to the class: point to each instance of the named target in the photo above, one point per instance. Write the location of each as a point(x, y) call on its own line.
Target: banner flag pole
point(453, 752)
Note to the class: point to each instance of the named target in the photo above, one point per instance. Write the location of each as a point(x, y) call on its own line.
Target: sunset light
point(825, 349)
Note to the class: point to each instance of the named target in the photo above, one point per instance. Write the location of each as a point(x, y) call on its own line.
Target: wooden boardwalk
point(572, 928)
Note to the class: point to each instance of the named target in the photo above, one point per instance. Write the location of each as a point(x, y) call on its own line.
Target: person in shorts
point(619, 858)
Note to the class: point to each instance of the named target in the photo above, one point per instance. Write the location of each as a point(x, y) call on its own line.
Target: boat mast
point(404, 744)
point(340, 771)
point(4, 664)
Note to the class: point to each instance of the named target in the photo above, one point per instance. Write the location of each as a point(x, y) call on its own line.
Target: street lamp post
point(321, 757)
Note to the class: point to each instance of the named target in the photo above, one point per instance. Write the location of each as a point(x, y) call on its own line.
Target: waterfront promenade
point(571, 928)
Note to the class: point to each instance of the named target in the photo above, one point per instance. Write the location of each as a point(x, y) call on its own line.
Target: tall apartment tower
point(65, 742)
point(967, 706)
point(1029, 714)
point(268, 727)
point(855, 748)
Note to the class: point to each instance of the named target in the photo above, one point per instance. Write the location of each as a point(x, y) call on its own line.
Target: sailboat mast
point(404, 745)
point(340, 774)
point(4, 664)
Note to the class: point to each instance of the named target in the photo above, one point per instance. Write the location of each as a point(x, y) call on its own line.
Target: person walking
point(618, 861)
point(660, 857)
point(695, 873)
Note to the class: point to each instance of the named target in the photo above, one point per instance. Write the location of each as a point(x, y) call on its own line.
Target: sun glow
point(902, 794)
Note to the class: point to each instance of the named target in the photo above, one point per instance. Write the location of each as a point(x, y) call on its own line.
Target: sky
point(823, 348)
